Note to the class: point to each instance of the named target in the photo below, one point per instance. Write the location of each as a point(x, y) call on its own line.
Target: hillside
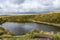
point(47, 17)
point(50, 18)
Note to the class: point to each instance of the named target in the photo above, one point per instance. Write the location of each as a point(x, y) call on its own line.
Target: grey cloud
point(31, 5)
point(17, 1)
point(0, 8)
point(1, 1)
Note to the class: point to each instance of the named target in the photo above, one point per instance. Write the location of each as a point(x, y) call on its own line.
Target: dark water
point(19, 28)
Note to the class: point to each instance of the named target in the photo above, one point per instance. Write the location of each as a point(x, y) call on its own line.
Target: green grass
point(50, 18)
point(31, 35)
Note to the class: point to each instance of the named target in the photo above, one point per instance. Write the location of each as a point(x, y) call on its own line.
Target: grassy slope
point(50, 17)
point(31, 35)
point(4, 32)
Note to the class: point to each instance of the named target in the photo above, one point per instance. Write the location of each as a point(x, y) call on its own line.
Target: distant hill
point(10, 13)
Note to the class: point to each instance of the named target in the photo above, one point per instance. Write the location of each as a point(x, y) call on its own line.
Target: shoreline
point(46, 23)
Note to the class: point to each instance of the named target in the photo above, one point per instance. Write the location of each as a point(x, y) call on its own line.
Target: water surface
point(19, 28)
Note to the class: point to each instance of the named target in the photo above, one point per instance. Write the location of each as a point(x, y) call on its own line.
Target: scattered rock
point(43, 37)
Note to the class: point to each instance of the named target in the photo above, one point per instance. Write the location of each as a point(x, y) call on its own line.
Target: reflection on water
point(19, 28)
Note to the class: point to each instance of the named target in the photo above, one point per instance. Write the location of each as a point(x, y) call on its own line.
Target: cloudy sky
point(29, 5)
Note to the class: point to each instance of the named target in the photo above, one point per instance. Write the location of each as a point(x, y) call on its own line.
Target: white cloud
point(56, 3)
point(29, 5)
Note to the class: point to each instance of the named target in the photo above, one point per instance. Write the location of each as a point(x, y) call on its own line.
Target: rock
point(43, 37)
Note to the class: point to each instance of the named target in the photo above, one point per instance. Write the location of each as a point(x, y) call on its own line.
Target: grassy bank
point(46, 23)
point(33, 35)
